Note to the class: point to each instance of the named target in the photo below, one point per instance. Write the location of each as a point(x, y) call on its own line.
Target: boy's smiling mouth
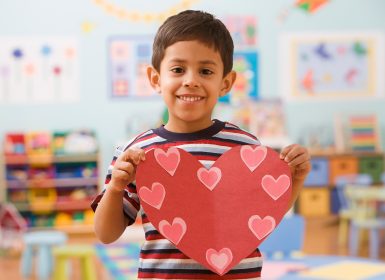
point(190, 98)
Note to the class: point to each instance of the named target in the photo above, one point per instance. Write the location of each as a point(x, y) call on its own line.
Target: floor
point(320, 238)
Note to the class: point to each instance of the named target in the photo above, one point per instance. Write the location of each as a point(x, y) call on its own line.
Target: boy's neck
point(187, 127)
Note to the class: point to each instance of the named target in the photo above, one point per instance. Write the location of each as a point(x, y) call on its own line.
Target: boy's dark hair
point(194, 25)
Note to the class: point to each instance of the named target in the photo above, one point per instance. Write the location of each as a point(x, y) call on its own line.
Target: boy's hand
point(124, 169)
point(298, 159)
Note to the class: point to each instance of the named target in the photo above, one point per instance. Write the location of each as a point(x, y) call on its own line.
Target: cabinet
point(52, 188)
point(319, 196)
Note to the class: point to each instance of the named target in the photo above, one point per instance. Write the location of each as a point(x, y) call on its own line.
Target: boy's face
point(190, 81)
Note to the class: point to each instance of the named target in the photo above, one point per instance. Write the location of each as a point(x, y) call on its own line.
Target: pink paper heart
point(174, 232)
point(210, 178)
point(229, 185)
point(168, 160)
point(275, 187)
point(261, 227)
point(219, 260)
point(153, 196)
point(253, 157)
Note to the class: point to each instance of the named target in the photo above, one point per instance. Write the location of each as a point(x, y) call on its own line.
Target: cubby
point(322, 179)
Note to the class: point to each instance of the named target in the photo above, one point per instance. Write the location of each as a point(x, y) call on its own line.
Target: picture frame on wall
point(331, 65)
point(128, 58)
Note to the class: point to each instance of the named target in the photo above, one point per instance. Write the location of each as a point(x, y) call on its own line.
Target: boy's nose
point(191, 81)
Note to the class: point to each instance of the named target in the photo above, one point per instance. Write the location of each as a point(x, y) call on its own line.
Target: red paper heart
point(216, 216)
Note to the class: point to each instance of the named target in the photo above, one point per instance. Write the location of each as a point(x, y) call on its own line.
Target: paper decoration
point(217, 215)
point(310, 6)
point(129, 57)
point(38, 70)
point(245, 87)
point(323, 66)
point(129, 14)
point(87, 26)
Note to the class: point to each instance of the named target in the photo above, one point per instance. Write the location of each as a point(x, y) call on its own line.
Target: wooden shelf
point(51, 183)
point(67, 205)
point(71, 229)
point(48, 159)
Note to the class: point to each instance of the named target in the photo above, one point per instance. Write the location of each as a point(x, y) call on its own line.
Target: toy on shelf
point(12, 227)
point(74, 142)
point(14, 144)
point(42, 200)
point(364, 133)
point(38, 148)
point(357, 133)
point(38, 143)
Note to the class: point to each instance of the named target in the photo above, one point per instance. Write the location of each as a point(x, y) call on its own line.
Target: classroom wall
point(111, 118)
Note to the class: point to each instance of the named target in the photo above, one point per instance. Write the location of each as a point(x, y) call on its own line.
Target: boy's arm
point(298, 159)
point(110, 221)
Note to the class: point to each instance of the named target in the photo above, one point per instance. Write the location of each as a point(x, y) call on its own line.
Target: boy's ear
point(228, 82)
point(154, 78)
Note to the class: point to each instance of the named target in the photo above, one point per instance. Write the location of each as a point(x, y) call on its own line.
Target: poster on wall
point(243, 29)
point(128, 58)
point(38, 70)
point(245, 88)
point(331, 65)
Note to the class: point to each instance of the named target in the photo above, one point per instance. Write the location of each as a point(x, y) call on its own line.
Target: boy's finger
point(301, 158)
point(286, 150)
point(297, 151)
point(133, 155)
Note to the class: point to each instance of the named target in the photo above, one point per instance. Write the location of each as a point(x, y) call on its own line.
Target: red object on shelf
point(14, 144)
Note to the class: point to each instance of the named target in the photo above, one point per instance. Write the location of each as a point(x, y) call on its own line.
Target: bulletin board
point(331, 65)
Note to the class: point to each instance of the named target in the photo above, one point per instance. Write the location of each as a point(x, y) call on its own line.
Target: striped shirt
point(159, 258)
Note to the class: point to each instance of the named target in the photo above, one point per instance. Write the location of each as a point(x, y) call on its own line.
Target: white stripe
point(210, 148)
point(238, 137)
point(192, 264)
point(149, 141)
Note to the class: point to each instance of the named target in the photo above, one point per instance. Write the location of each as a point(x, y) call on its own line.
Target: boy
point(191, 69)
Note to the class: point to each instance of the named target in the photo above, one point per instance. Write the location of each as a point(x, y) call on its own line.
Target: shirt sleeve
point(131, 204)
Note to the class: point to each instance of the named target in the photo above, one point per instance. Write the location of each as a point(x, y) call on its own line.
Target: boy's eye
point(206, 72)
point(177, 70)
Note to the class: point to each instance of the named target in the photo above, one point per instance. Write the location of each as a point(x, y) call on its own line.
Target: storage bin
point(319, 174)
point(374, 166)
point(314, 202)
point(342, 165)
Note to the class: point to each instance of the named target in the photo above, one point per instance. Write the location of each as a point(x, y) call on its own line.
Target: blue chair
point(40, 243)
point(286, 239)
point(345, 212)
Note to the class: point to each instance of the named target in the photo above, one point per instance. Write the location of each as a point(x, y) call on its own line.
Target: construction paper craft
point(354, 270)
point(218, 215)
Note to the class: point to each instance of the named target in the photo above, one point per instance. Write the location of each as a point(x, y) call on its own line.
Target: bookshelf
point(50, 187)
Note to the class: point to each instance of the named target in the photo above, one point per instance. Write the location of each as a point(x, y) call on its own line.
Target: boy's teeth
point(190, 98)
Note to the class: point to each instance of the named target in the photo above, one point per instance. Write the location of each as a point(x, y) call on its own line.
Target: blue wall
point(110, 118)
